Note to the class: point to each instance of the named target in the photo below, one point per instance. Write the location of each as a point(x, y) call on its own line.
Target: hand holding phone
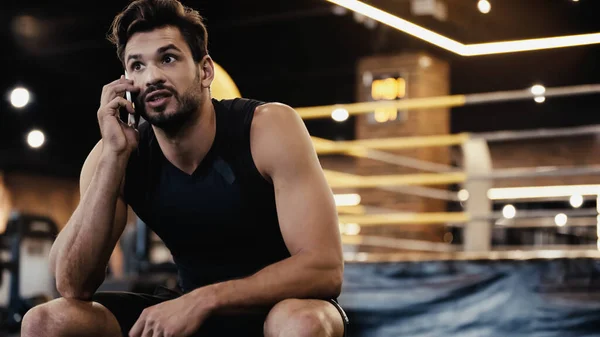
point(117, 135)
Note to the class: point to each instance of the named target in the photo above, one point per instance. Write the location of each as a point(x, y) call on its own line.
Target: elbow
point(69, 291)
point(332, 287)
point(73, 293)
point(336, 282)
point(72, 289)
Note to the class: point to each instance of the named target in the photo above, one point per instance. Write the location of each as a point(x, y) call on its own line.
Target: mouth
point(158, 98)
point(158, 95)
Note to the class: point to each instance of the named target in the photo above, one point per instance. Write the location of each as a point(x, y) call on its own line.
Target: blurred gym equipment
point(26, 279)
point(147, 263)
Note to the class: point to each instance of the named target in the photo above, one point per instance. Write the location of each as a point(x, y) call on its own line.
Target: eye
point(168, 59)
point(136, 66)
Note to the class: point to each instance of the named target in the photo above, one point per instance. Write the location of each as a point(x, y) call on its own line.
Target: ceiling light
point(471, 49)
point(19, 97)
point(35, 138)
point(532, 192)
point(509, 211)
point(484, 6)
point(560, 219)
point(576, 200)
point(340, 115)
point(538, 90)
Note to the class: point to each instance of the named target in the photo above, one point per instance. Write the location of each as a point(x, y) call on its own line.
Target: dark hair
point(146, 15)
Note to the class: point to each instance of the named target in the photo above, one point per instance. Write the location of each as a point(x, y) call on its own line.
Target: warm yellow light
point(398, 23)
point(340, 115)
point(347, 199)
point(576, 200)
point(19, 97)
point(389, 88)
point(35, 139)
point(531, 44)
point(462, 49)
point(532, 192)
point(351, 229)
point(383, 115)
point(509, 211)
point(560, 219)
point(540, 99)
point(484, 6)
point(463, 195)
point(538, 90)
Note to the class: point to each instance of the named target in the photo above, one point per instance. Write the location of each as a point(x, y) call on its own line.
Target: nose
point(154, 76)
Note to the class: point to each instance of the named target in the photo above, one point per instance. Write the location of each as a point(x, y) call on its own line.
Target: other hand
point(180, 317)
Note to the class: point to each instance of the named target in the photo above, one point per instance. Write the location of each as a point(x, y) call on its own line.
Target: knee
point(291, 319)
point(307, 323)
point(49, 319)
point(36, 322)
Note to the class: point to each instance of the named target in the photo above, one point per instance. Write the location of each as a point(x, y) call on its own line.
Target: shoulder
point(276, 115)
point(278, 137)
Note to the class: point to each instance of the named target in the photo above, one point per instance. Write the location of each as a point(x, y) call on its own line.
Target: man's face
point(161, 65)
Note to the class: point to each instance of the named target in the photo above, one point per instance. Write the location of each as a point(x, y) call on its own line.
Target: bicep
point(305, 205)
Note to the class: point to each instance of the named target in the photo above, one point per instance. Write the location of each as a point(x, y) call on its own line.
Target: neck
point(186, 148)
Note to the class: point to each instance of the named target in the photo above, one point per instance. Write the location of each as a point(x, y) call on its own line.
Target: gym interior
point(460, 139)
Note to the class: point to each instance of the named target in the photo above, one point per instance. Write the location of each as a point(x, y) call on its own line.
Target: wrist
point(114, 159)
point(208, 297)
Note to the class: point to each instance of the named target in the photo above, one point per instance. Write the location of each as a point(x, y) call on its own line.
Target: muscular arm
point(282, 149)
point(80, 254)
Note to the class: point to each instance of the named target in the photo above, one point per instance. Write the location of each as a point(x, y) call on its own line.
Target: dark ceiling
point(296, 51)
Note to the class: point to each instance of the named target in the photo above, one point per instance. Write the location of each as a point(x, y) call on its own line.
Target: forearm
point(300, 276)
point(81, 252)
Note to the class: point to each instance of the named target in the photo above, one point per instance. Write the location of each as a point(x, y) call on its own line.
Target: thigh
point(127, 306)
point(242, 325)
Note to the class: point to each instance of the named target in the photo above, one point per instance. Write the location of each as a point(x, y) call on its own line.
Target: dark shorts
point(127, 307)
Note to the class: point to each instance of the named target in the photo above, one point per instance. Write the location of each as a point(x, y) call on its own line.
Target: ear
point(207, 71)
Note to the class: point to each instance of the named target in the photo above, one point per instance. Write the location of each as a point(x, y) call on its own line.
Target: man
point(233, 187)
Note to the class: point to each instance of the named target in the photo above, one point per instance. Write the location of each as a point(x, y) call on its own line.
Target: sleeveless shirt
point(220, 222)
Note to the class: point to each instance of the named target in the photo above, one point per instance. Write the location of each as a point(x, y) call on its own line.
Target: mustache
point(156, 87)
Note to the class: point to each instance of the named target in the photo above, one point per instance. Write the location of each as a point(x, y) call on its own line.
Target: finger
point(123, 79)
point(158, 333)
point(148, 331)
point(118, 102)
point(118, 90)
point(138, 328)
point(107, 86)
point(121, 88)
point(108, 89)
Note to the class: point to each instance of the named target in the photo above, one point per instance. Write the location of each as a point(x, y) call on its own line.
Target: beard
point(186, 105)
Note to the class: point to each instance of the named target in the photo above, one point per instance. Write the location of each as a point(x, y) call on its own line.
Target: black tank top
point(220, 222)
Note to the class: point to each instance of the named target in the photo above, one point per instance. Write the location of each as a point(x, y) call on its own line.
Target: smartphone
point(131, 118)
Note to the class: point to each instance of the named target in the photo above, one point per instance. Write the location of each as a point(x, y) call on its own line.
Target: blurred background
point(476, 155)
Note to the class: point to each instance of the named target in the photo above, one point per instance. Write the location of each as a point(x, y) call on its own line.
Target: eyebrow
point(158, 51)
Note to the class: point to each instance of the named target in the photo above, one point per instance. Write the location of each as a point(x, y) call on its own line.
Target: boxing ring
point(475, 287)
